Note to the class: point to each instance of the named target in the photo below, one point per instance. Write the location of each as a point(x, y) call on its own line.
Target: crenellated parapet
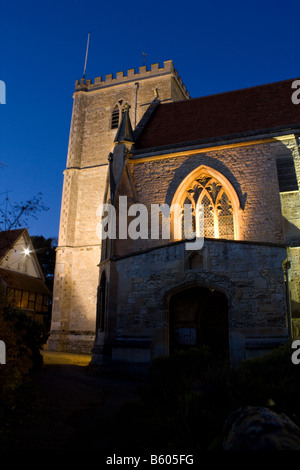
point(131, 75)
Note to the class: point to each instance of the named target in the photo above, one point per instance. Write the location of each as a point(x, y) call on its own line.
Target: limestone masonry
point(237, 154)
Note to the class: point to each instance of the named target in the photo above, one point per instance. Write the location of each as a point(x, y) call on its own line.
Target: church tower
point(97, 111)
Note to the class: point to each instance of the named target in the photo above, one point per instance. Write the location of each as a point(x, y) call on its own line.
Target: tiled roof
point(23, 282)
point(7, 240)
point(240, 112)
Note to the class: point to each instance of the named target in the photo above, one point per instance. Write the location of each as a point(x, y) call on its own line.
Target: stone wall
point(290, 205)
point(77, 259)
point(250, 169)
point(250, 275)
point(249, 270)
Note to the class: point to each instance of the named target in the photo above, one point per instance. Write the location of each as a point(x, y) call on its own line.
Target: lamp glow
point(26, 251)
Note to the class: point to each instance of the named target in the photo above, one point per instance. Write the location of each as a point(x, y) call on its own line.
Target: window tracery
point(217, 207)
point(117, 114)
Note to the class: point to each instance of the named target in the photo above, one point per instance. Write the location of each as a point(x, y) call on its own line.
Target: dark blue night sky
point(215, 46)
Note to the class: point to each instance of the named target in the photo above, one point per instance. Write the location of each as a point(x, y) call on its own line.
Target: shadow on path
point(72, 409)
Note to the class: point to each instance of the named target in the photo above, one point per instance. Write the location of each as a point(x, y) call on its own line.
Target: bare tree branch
point(14, 215)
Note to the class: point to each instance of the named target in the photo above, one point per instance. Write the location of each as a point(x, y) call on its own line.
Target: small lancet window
point(196, 261)
point(117, 114)
point(115, 118)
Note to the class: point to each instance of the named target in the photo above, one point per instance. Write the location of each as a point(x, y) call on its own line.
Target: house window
point(24, 303)
point(10, 295)
point(31, 301)
point(117, 114)
point(28, 300)
point(17, 299)
point(39, 303)
point(45, 303)
point(218, 209)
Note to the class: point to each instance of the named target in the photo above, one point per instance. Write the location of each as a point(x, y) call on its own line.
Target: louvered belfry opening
point(287, 177)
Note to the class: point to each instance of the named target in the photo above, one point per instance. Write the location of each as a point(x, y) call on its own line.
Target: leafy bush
point(189, 396)
point(23, 338)
point(273, 381)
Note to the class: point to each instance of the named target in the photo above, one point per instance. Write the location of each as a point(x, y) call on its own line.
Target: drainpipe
point(136, 85)
point(286, 267)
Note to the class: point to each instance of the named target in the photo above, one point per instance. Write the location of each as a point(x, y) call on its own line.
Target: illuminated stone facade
point(136, 299)
point(91, 136)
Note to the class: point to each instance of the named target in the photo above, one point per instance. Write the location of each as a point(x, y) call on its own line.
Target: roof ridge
point(196, 98)
point(236, 112)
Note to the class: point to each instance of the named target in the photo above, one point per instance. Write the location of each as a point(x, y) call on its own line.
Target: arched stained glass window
point(225, 217)
point(217, 207)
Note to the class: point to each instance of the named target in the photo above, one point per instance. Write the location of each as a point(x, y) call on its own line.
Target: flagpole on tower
point(86, 55)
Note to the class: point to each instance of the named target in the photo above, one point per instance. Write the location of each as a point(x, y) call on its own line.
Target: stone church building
point(134, 294)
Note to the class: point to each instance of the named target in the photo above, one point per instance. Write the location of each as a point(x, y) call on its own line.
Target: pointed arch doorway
point(199, 316)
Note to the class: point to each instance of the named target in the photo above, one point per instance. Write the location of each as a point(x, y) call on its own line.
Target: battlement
point(131, 75)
